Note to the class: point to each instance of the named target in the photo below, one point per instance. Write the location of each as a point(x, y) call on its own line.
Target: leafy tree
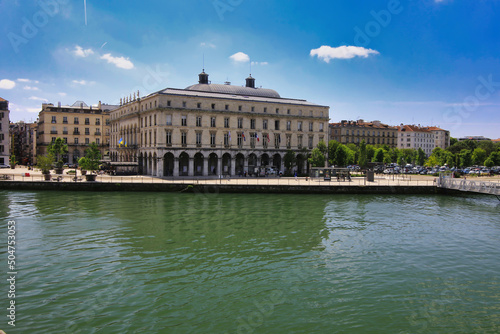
point(289, 160)
point(432, 161)
point(487, 145)
point(450, 159)
point(495, 157)
point(93, 156)
point(351, 156)
point(322, 147)
point(370, 151)
point(341, 155)
point(478, 156)
point(394, 153)
point(471, 144)
point(362, 162)
point(420, 157)
point(457, 147)
point(44, 162)
point(465, 158)
point(332, 148)
point(317, 158)
point(354, 151)
point(453, 141)
point(58, 148)
point(489, 162)
point(379, 155)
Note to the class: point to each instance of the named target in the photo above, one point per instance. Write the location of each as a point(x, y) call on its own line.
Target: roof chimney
point(203, 78)
point(250, 82)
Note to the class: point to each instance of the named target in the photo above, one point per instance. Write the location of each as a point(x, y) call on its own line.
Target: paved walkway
point(21, 173)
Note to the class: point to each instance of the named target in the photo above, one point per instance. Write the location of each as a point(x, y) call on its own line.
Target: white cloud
point(120, 62)
point(7, 84)
point(80, 82)
point(33, 109)
point(327, 53)
point(80, 52)
point(62, 94)
point(30, 88)
point(34, 98)
point(240, 57)
point(208, 45)
point(23, 80)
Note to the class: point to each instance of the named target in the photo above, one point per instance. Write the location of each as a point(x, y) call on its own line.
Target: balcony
point(77, 133)
point(65, 132)
point(97, 133)
point(53, 132)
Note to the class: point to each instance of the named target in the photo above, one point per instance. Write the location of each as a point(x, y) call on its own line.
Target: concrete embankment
point(221, 188)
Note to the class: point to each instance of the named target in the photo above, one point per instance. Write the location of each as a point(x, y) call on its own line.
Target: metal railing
point(482, 187)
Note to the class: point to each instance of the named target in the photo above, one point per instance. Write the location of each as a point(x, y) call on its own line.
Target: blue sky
point(415, 62)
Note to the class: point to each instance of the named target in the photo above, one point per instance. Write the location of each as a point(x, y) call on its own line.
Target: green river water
point(250, 263)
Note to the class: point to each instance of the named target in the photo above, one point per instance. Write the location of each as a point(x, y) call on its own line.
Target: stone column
point(205, 166)
point(176, 167)
point(220, 161)
point(233, 166)
point(191, 167)
point(159, 169)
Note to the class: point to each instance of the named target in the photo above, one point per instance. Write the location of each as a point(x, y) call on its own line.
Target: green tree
point(370, 151)
point(457, 147)
point(341, 155)
point(322, 147)
point(362, 162)
point(332, 148)
point(58, 148)
point(420, 157)
point(478, 156)
point(489, 162)
point(379, 155)
point(465, 158)
point(93, 156)
point(317, 158)
point(453, 141)
point(289, 160)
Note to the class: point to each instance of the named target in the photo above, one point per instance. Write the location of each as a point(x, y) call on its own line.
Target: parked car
point(4, 166)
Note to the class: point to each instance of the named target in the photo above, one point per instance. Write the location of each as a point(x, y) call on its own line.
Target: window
point(97, 121)
point(264, 124)
point(277, 110)
point(65, 119)
point(226, 122)
point(252, 124)
point(276, 125)
point(87, 121)
point(169, 119)
point(155, 119)
point(288, 125)
point(253, 137)
point(53, 130)
point(321, 127)
point(213, 105)
point(265, 140)
point(169, 103)
point(168, 137)
point(239, 108)
point(299, 125)
point(227, 139)
point(240, 139)
point(183, 138)
point(65, 130)
point(226, 107)
point(253, 109)
point(76, 131)
point(87, 141)
point(288, 141)
point(98, 141)
point(76, 141)
point(265, 109)
point(299, 141)
point(212, 139)
point(212, 122)
point(311, 125)
point(311, 142)
point(288, 112)
point(277, 140)
point(184, 104)
point(150, 123)
point(198, 105)
point(184, 120)
point(198, 138)
point(76, 121)
point(87, 131)
point(54, 120)
point(240, 123)
point(198, 121)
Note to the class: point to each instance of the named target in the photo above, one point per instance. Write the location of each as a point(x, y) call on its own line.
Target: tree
point(332, 148)
point(317, 158)
point(489, 162)
point(432, 161)
point(478, 156)
point(453, 141)
point(93, 156)
point(341, 156)
point(420, 157)
point(370, 151)
point(495, 157)
point(322, 147)
point(44, 163)
point(457, 147)
point(362, 162)
point(58, 148)
point(379, 155)
point(465, 158)
point(289, 160)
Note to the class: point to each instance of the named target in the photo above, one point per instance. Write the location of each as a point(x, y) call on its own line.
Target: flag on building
point(244, 138)
point(229, 135)
point(268, 140)
point(257, 136)
point(120, 142)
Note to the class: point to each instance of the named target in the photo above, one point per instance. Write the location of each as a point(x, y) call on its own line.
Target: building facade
point(415, 137)
point(441, 137)
point(213, 129)
point(78, 125)
point(21, 134)
point(4, 132)
point(373, 133)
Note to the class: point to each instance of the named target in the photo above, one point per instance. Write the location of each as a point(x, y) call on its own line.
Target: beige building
point(441, 137)
point(78, 124)
point(4, 132)
point(373, 133)
point(415, 137)
point(214, 129)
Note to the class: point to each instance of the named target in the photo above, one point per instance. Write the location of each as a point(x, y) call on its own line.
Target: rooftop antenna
point(203, 63)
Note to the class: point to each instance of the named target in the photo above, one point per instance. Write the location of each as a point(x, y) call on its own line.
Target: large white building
point(4, 132)
point(415, 137)
point(214, 129)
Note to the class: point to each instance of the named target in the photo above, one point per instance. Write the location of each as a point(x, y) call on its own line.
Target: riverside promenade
point(22, 178)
